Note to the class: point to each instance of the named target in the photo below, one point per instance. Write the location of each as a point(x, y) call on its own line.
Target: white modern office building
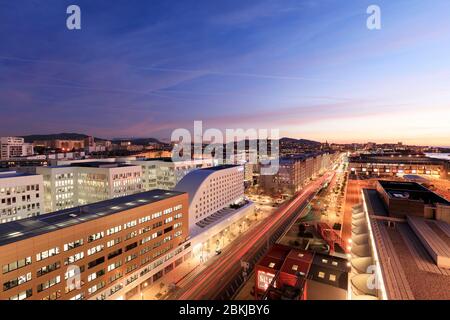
point(164, 173)
point(211, 190)
point(14, 147)
point(83, 183)
point(218, 209)
point(21, 196)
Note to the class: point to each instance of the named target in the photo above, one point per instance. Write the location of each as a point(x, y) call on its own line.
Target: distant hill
point(57, 136)
point(79, 136)
point(138, 141)
point(300, 141)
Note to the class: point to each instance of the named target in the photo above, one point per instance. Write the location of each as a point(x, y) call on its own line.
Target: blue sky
point(310, 68)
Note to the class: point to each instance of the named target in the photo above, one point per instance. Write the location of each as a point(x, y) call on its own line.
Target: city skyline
point(243, 152)
point(310, 68)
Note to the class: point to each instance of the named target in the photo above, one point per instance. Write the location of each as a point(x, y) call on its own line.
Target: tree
point(301, 230)
point(161, 286)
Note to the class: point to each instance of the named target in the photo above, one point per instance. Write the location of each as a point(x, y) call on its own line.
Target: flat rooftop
point(435, 237)
point(409, 271)
point(411, 191)
point(34, 226)
point(99, 164)
point(165, 159)
point(219, 216)
point(397, 159)
point(13, 174)
point(328, 272)
point(375, 206)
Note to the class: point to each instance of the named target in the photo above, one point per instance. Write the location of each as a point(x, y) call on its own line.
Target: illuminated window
point(264, 280)
point(321, 275)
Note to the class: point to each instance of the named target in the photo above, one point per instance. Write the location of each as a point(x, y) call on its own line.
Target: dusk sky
point(310, 68)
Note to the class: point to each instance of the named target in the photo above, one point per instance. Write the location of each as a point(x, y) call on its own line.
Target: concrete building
point(403, 199)
point(294, 173)
point(14, 147)
point(154, 154)
point(58, 144)
point(164, 173)
point(211, 190)
point(397, 257)
point(21, 196)
point(217, 207)
point(398, 165)
point(82, 183)
point(108, 250)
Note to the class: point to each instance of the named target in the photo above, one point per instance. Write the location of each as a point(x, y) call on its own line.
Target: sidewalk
point(160, 287)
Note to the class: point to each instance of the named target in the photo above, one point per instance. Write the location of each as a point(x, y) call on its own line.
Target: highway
point(221, 278)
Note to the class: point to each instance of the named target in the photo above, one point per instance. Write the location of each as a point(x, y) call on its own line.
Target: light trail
point(213, 280)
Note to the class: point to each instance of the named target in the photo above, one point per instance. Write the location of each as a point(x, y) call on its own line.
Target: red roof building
point(284, 273)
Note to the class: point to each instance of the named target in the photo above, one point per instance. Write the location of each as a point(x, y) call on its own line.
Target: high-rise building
point(108, 250)
point(164, 173)
point(14, 147)
point(21, 196)
point(82, 183)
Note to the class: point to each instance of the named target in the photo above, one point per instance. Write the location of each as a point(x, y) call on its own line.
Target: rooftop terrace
point(397, 159)
point(411, 191)
point(409, 272)
point(99, 164)
point(13, 174)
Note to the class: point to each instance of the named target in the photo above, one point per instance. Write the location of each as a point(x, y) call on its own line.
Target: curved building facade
point(212, 189)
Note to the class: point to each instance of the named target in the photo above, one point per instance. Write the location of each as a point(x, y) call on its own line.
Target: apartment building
point(295, 172)
point(14, 147)
point(107, 250)
point(21, 196)
point(164, 173)
point(76, 184)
